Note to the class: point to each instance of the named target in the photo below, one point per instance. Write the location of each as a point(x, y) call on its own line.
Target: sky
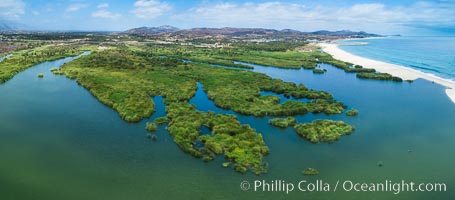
point(406, 17)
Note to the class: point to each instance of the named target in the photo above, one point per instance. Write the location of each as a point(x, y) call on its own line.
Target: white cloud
point(75, 7)
point(11, 9)
point(103, 5)
point(374, 17)
point(105, 14)
point(149, 9)
point(102, 12)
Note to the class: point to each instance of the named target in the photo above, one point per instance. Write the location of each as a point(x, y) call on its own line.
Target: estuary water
point(58, 142)
point(2, 58)
point(435, 55)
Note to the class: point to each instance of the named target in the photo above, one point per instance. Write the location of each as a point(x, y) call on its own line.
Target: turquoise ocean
point(435, 55)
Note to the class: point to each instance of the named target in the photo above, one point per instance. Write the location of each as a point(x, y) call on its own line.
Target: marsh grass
point(323, 130)
point(150, 127)
point(283, 122)
point(352, 112)
point(23, 59)
point(125, 78)
point(310, 172)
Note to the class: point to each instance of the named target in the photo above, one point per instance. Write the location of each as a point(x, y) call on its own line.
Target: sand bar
point(396, 70)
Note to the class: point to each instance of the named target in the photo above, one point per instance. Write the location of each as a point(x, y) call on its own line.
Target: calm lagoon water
point(58, 142)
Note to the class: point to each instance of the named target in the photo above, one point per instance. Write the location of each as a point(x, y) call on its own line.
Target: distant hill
point(227, 31)
point(152, 30)
point(290, 31)
point(241, 32)
point(343, 33)
point(5, 27)
point(199, 31)
point(10, 26)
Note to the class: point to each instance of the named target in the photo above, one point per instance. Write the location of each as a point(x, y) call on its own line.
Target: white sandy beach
point(396, 70)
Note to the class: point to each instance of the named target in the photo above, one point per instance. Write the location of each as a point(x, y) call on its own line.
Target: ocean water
point(435, 55)
point(59, 142)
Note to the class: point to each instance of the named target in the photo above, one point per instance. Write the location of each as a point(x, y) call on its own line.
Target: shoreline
point(403, 72)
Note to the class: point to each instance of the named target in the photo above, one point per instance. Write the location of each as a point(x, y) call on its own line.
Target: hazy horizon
point(385, 17)
point(94, 31)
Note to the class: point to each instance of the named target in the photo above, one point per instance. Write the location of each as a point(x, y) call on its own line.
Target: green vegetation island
point(283, 122)
point(310, 172)
point(323, 130)
point(28, 57)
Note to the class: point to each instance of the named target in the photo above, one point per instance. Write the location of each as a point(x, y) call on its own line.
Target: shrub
point(161, 120)
point(310, 172)
point(283, 122)
point(323, 130)
point(379, 76)
point(150, 127)
point(318, 71)
point(352, 112)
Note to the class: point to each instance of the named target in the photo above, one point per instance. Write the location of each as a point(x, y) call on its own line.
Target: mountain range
point(152, 30)
point(238, 32)
point(222, 32)
point(6, 25)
